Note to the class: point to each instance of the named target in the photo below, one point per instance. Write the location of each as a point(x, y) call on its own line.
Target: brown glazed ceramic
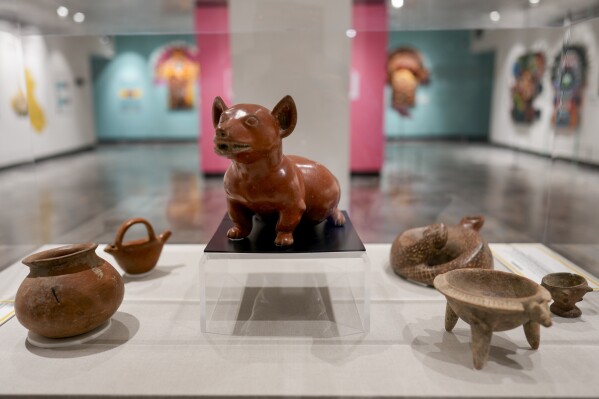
point(490, 300)
point(137, 256)
point(69, 291)
point(423, 253)
point(566, 290)
point(263, 181)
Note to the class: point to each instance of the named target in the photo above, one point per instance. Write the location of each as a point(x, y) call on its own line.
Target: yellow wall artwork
point(37, 116)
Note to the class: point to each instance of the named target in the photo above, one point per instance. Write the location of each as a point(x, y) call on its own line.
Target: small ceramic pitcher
point(566, 290)
point(137, 256)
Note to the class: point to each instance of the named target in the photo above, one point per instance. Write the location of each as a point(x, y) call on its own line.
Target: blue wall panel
point(146, 118)
point(457, 100)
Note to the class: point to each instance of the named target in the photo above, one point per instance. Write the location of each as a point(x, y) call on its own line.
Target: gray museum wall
point(60, 79)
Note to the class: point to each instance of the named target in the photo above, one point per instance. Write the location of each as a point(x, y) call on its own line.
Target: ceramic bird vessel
point(261, 180)
point(491, 300)
point(137, 256)
point(566, 290)
point(69, 291)
point(423, 253)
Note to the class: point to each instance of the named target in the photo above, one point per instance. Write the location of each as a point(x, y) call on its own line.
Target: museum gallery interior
point(299, 198)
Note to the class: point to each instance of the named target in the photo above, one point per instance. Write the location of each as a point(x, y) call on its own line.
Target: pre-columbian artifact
point(491, 300)
point(69, 291)
point(566, 290)
point(261, 180)
point(137, 256)
point(423, 253)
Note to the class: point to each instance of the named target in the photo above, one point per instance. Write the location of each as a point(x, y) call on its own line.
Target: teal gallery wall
point(457, 101)
point(147, 117)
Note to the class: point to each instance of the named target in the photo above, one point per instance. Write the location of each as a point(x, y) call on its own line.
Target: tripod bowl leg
point(451, 318)
point(532, 330)
point(481, 344)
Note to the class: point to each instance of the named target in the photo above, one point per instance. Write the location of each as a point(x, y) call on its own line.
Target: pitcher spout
point(110, 248)
point(164, 236)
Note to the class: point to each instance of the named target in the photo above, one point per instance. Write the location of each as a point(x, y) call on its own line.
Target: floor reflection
point(85, 197)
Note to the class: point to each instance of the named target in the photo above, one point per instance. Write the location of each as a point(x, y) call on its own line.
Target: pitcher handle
point(118, 242)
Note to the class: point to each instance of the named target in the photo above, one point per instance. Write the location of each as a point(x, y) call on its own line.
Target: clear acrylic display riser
point(319, 294)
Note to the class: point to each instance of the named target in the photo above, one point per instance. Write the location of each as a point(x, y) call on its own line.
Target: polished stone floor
point(84, 197)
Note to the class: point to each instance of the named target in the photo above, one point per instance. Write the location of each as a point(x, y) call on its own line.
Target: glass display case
point(426, 111)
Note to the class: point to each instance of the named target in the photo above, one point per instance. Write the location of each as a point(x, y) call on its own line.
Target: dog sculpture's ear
point(218, 107)
point(286, 115)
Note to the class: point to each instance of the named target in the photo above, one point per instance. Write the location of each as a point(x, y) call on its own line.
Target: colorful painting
point(130, 99)
point(569, 78)
point(176, 66)
point(37, 117)
point(405, 72)
point(528, 75)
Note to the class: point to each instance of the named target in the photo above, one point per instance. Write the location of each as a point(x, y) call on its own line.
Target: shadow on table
point(442, 349)
point(159, 272)
point(124, 326)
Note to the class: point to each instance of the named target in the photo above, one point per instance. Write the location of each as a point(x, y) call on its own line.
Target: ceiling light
point(62, 12)
point(397, 3)
point(533, 2)
point(351, 33)
point(494, 16)
point(79, 17)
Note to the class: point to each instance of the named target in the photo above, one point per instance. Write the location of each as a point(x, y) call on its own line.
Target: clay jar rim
point(446, 284)
point(554, 280)
point(57, 256)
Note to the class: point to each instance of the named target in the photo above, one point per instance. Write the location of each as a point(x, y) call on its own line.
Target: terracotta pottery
point(423, 253)
point(566, 290)
point(69, 291)
point(261, 180)
point(137, 256)
point(490, 300)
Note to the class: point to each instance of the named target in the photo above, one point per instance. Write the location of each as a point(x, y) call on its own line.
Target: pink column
point(212, 25)
point(368, 68)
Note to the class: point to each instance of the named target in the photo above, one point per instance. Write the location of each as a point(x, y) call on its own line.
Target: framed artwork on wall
point(176, 65)
point(569, 78)
point(528, 74)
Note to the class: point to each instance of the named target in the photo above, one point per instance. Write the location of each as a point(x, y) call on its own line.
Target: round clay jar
point(69, 291)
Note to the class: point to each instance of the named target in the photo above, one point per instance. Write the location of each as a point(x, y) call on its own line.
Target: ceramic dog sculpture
point(263, 181)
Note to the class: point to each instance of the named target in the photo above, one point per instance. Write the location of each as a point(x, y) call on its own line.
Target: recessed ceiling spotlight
point(495, 16)
point(351, 33)
point(534, 2)
point(62, 12)
point(397, 3)
point(79, 17)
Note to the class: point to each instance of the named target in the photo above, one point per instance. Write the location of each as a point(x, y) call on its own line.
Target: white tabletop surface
point(155, 348)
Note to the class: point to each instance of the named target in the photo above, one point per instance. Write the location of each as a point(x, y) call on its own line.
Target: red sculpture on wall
point(405, 72)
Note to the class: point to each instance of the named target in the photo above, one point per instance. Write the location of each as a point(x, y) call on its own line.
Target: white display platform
point(155, 348)
point(318, 294)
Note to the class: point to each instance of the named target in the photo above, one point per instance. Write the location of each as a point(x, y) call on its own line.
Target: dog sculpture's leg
point(289, 218)
point(242, 217)
point(338, 217)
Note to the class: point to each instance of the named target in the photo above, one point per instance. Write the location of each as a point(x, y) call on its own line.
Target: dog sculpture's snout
point(222, 133)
